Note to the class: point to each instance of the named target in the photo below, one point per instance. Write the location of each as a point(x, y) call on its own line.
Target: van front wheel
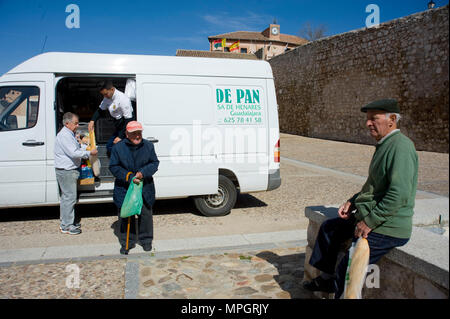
point(219, 204)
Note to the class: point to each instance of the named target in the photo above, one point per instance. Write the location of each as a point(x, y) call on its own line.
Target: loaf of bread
point(95, 162)
point(357, 269)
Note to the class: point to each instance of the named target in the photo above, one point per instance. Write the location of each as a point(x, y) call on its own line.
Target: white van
point(214, 124)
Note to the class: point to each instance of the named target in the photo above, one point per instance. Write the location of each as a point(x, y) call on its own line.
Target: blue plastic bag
point(132, 204)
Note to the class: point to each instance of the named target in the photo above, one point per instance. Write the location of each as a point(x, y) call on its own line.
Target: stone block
point(420, 269)
point(310, 272)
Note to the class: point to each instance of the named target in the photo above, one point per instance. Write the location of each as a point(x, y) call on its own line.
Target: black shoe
point(147, 247)
point(320, 284)
point(125, 251)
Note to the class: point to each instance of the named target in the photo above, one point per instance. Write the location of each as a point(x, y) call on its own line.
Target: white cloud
point(226, 22)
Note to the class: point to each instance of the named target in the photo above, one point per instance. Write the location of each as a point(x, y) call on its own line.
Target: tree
point(312, 33)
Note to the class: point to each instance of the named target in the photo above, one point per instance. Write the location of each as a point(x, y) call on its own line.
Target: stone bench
point(420, 269)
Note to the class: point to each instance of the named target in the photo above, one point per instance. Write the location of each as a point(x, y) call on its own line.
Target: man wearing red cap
point(134, 160)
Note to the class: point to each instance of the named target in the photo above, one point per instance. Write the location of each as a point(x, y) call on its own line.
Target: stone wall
point(322, 85)
point(418, 270)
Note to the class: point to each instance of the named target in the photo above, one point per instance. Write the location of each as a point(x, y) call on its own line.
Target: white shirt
point(118, 106)
point(385, 137)
point(68, 152)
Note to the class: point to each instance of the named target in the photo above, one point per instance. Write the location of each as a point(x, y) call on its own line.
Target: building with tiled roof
point(216, 54)
point(264, 45)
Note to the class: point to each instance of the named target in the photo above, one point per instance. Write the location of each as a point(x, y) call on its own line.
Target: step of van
point(101, 151)
point(97, 194)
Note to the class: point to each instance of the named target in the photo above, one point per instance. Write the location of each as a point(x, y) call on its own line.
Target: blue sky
point(29, 27)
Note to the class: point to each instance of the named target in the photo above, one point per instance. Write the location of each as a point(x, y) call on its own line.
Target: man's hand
point(91, 126)
point(362, 230)
point(117, 140)
point(137, 178)
point(345, 210)
point(94, 151)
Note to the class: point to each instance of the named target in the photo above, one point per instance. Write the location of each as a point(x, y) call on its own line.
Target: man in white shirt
point(119, 106)
point(68, 155)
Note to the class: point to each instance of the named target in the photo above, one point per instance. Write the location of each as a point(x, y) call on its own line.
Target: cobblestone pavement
point(265, 274)
point(99, 279)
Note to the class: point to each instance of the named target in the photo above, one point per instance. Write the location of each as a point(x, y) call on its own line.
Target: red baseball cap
point(134, 126)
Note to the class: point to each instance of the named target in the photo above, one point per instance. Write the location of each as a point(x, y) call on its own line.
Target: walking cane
point(128, 232)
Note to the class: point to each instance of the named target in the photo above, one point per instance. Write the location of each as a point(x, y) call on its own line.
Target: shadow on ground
point(290, 273)
point(161, 207)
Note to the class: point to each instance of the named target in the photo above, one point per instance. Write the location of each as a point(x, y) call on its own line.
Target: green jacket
point(387, 199)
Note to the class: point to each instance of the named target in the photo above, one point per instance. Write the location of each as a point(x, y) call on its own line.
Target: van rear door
point(23, 143)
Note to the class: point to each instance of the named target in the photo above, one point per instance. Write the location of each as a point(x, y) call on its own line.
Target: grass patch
point(245, 257)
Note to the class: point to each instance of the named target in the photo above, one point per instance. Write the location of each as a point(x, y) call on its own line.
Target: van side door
point(22, 143)
point(178, 112)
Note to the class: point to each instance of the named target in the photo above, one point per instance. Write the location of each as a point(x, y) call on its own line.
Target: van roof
point(94, 63)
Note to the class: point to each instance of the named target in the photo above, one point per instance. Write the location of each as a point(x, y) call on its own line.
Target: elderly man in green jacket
point(382, 211)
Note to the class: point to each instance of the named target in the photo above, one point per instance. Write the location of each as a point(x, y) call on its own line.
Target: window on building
point(226, 49)
point(243, 50)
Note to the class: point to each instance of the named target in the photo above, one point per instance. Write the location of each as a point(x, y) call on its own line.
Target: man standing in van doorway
point(68, 155)
point(120, 108)
point(133, 160)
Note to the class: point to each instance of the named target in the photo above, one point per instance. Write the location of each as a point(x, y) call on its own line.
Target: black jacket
point(127, 157)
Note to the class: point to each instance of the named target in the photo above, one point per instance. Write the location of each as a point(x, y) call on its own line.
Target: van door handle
point(152, 139)
point(32, 143)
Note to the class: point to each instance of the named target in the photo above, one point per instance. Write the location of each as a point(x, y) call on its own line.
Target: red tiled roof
point(258, 36)
point(213, 54)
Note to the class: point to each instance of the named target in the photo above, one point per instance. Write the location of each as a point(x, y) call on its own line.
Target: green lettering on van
point(239, 95)
point(219, 95)
point(248, 97)
point(256, 96)
point(228, 96)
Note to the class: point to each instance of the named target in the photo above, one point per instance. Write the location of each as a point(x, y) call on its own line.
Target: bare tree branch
point(312, 33)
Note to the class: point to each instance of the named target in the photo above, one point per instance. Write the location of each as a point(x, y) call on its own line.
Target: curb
point(162, 248)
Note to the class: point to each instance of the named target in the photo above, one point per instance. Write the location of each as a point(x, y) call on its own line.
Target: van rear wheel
point(219, 204)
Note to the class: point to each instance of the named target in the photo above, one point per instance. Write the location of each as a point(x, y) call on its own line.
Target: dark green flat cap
point(388, 105)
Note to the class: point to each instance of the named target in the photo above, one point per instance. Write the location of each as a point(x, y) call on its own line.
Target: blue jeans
point(333, 233)
point(67, 182)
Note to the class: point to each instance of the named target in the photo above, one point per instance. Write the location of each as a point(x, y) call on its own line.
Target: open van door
point(22, 143)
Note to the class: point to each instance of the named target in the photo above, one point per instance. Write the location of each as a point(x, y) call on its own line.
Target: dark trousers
point(333, 233)
point(120, 128)
point(145, 228)
point(110, 143)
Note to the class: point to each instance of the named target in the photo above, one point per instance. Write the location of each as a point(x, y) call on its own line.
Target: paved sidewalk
point(161, 248)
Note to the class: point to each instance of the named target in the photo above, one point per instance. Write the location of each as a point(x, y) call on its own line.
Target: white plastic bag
point(130, 89)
